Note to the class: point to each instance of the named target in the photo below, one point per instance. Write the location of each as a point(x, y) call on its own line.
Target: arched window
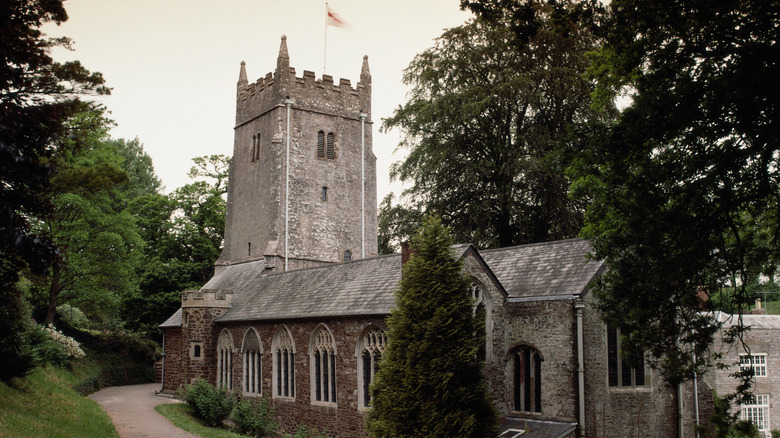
point(283, 364)
point(347, 256)
point(331, 152)
point(323, 366)
point(225, 360)
point(527, 373)
point(321, 144)
point(371, 347)
point(253, 359)
point(482, 321)
point(256, 149)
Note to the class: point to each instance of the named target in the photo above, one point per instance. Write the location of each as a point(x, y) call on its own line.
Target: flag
point(334, 19)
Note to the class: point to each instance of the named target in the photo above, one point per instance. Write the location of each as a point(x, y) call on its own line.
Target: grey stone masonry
point(327, 193)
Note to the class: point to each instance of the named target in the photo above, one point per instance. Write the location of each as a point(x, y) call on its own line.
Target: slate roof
point(543, 270)
point(366, 287)
point(535, 428)
point(360, 287)
point(757, 322)
point(173, 321)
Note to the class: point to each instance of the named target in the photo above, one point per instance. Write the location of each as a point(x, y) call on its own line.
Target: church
point(296, 309)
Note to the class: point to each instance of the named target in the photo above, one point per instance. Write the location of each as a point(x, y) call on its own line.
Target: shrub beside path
point(131, 408)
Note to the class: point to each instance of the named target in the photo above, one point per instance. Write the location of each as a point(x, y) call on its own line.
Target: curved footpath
point(131, 408)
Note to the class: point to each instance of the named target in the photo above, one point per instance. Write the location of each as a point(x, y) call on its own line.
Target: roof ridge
point(527, 245)
point(333, 264)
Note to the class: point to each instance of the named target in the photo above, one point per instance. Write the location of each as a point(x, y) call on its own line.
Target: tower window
point(347, 256)
point(326, 146)
point(256, 147)
point(321, 144)
point(330, 151)
point(324, 194)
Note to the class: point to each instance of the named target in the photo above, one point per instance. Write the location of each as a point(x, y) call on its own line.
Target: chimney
point(758, 310)
point(406, 254)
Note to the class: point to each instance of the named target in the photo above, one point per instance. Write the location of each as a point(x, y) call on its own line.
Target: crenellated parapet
point(308, 92)
point(216, 298)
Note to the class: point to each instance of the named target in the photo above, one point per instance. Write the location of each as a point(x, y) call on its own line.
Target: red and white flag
point(334, 19)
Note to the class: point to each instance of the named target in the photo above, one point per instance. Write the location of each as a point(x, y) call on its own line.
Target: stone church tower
point(319, 208)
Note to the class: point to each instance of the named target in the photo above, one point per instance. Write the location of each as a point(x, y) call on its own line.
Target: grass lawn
point(43, 404)
point(179, 415)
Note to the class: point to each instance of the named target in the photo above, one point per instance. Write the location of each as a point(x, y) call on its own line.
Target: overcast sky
point(173, 64)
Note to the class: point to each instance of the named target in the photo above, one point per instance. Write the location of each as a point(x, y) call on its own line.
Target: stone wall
point(344, 419)
point(762, 338)
point(174, 360)
point(648, 411)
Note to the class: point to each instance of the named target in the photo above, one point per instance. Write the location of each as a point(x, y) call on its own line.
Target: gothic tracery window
point(225, 360)
point(283, 364)
point(527, 379)
point(323, 366)
point(371, 348)
point(253, 360)
point(480, 318)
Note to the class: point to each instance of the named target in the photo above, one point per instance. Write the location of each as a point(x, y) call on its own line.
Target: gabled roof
point(357, 288)
point(543, 270)
point(365, 287)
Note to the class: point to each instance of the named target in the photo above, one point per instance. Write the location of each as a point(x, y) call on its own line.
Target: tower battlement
point(206, 298)
point(308, 92)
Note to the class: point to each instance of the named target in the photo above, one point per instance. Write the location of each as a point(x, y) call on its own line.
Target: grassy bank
point(45, 404)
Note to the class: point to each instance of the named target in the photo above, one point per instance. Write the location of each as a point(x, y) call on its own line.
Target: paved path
point(131, 408)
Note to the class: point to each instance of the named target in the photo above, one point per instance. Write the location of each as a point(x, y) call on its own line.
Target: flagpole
point(325, 48)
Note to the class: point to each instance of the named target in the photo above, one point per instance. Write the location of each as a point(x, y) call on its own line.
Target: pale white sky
point(173, 64)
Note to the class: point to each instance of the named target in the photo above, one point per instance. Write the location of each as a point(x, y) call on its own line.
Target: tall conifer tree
point(430, 382)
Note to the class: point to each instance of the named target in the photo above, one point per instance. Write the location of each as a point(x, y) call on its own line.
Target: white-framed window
point(755, 361)
point(283, 349)
point(622, 373)
point(757, 412)
point(371, 347)
point(225, 360)
point(252, 354)
point(322, 352)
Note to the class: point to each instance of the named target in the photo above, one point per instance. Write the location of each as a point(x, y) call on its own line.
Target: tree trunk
point(54, 293)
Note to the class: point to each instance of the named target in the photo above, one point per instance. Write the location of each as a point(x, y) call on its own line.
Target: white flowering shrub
point(70, 346)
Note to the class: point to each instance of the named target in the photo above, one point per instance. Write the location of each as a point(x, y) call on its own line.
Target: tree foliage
point(97, 239)
point(430, 382)
point(684, 186)
point(488, 128)
point(37, 96)
point(184, 232)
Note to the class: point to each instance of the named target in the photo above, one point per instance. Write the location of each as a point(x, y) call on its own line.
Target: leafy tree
point(37, 95)
point(397, 224)
point(488, 124)
point(684, 186)
point(96, 237)
point(184, 233)
point(430, 381)
point(142, 180)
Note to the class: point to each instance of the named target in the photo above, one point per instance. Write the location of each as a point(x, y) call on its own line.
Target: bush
point(16, 355)
point(254, 417)
point(305, 432)
point(210, 404)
